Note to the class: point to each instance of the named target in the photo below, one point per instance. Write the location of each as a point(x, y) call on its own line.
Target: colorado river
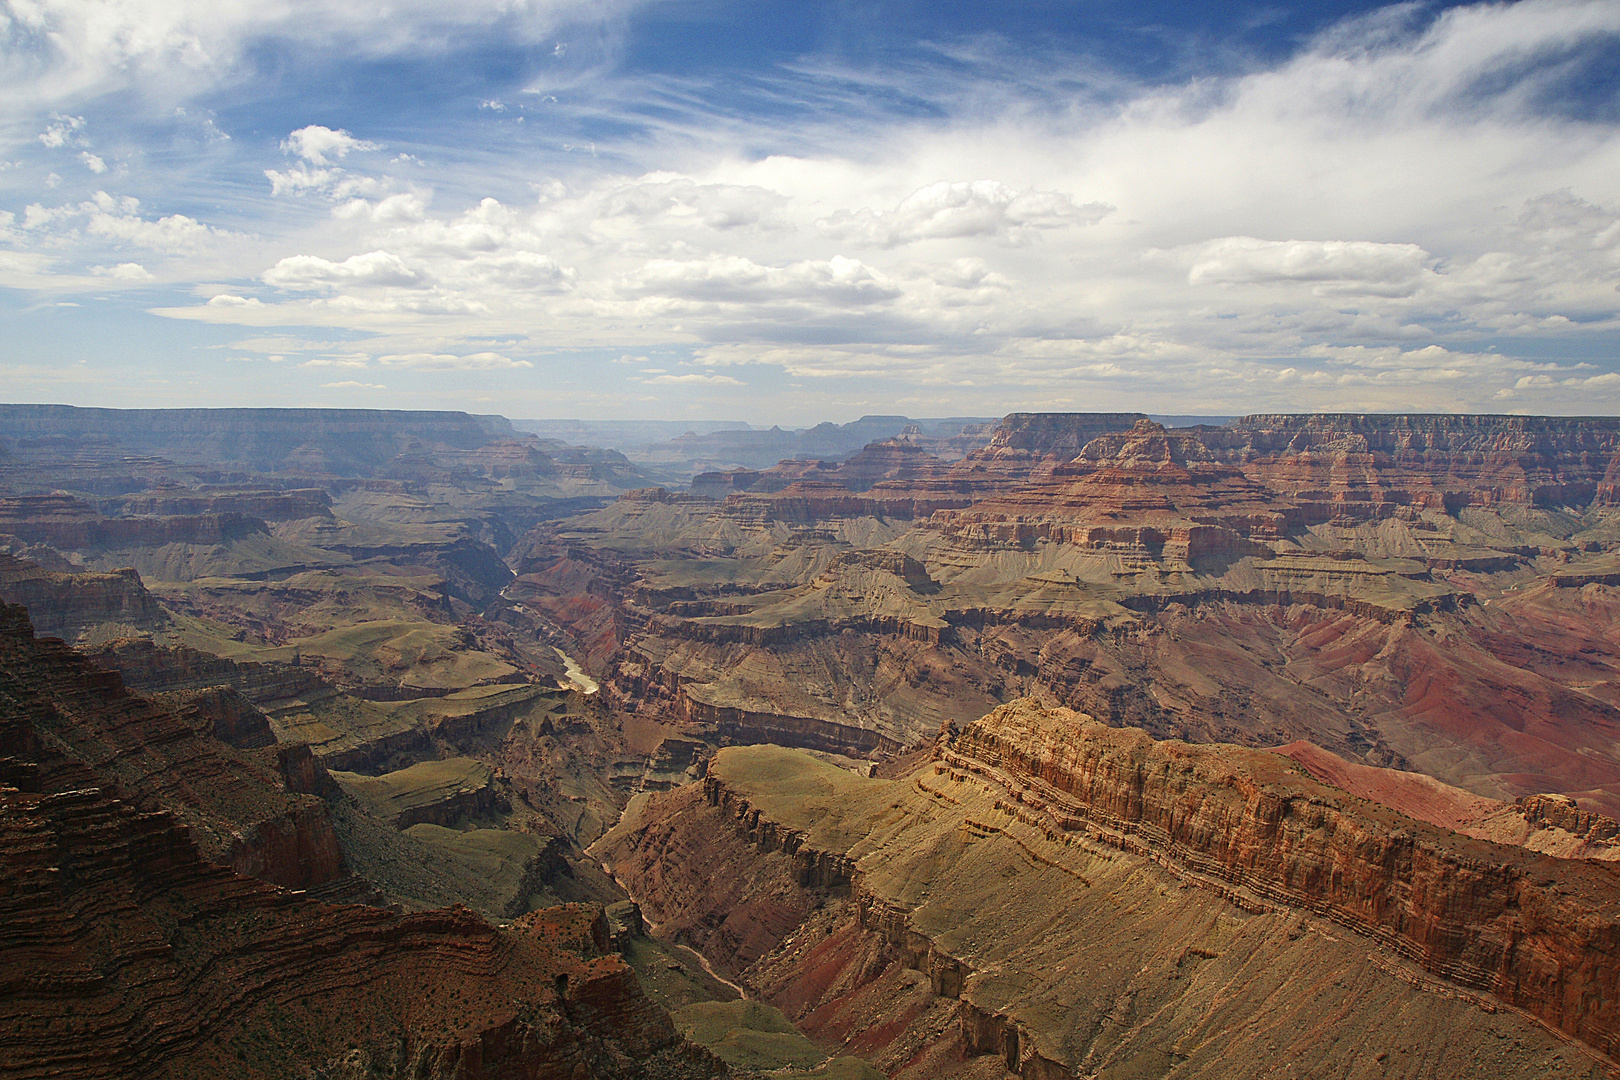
point(575, 673)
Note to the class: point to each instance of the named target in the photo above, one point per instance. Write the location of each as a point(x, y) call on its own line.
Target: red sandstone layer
point(1541, 934)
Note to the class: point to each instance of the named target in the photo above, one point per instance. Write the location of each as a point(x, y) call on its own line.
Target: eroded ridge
point(1076, 900)
point(125, 952)
point(1540, 934)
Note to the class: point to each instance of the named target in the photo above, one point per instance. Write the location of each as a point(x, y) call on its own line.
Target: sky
point(797, 212)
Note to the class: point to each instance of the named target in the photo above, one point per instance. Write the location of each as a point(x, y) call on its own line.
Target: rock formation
point(1414, 607)
point(1078, 900)
point(125, 953)
point(71, 606)
point(233, 802)
point(1366, 466)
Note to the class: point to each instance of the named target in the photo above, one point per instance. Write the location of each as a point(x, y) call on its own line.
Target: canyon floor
point(1071, 745)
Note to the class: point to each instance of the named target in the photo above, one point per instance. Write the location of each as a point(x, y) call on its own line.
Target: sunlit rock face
point(1065, 898)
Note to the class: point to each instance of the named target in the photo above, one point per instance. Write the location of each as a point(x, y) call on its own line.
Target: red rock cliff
point(1542, 934)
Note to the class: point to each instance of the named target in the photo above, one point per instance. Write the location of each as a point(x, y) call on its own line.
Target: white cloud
point(311, 272)
point(394, 209)
point(300, 178)
point(119, 219)
point(695, 377)
point(320, 145)
point(127, 271)
point(1401, 186)
point(176, 232)
point(732, 279)
point(93, 162)
point(667, 200)
point(480, 361)
point(351, 384)
point(947, 210)
point(62, 131)
point(59, 50)
point(1387, 269)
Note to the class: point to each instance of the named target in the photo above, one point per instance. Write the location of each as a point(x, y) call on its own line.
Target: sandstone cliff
point(70, 606)
point(73, 525)
point(1079, 900)
point(124, 955)
point(1540, 935)
point(234, 802)
point(1359, 466)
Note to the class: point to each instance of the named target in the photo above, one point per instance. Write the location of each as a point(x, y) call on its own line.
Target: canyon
point(1064, 745)
point(1048, 896)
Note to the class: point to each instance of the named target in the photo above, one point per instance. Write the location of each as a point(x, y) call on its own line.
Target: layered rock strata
point(1358, 466)
point(234, 801)
point(1079, 900)
point(72, 605)
point(1181, 580)
point(125, 952)
point(125, 955)
point(73, 525)
point(1540, 935)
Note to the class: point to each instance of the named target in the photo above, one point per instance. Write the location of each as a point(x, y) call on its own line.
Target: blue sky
point(795, 212)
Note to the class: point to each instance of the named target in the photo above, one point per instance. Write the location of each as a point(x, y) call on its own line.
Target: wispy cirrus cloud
point(64, 49)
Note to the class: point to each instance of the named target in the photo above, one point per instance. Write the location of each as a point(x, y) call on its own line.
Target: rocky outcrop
point(152, 669)
point(126, 952)
point(953, 914)
point(442, 792)
point(267, 505)
point(1026, 445)
point(1145, 490)
point(1540, 935)
point(71, 524)
point(1358, 467)
point(236, 806)
point(100, 979)
point(1549, 824)
point(473, 572)
point(230, 717)
point(812, 869)
point(71, 605)
point(1553, 811)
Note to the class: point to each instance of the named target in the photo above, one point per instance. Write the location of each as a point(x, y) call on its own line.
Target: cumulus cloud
point(321, 145)
point(311, 272)
point(299, 179)
point(1406, 186)
point(733, 279)
point(1361, 265)
point(119, 219)
point(127, 271)
point(667, 200)
point(62, 131)
point(395, 209)
point(947, 210)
